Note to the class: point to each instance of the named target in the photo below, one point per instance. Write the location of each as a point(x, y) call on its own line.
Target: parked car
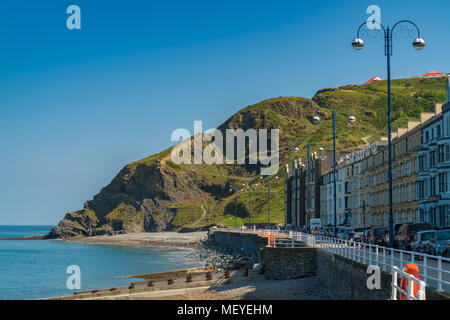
point(358, 234)
point(329, 231)
point(396, 230)
point(422, 241)
point(377, 236)
point(368, 235)
point(439, 246)
point(342, 233)
point(406, 234)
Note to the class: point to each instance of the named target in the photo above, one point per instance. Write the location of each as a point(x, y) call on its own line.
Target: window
point(408, 191)
point(408, 167)
point(427, 136)
point(440, 154)
point(432, 158)
point(432, 186)
point(443, 182)
point(438, 131)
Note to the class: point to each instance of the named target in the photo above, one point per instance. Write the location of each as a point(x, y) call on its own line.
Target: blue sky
point(77, 105)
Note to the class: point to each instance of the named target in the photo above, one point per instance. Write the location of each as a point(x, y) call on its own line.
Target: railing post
point(421, 292)
point(394, 283)
point(439, 289)
point(376, 254)
point(425, 267)
point(392, 257)
point(401, 259)
point(410, 288)
point(364, 255)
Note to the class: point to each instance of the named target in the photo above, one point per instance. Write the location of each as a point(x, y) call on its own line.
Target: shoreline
point(189, 240)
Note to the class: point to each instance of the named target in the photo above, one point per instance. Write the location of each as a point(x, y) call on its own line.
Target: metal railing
point(434, 270)
point(410, 295)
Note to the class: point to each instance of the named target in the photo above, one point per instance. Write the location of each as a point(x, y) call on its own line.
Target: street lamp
point(351, 119)
point(418, 44)
point(268, 197)
point(308, 176)
point(235, 204)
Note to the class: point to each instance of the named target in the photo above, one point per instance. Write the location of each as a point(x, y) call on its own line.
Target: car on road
point(358, 234)
point(343, 232)
point(377, 236)
point(328, 231)
point(368, 235)
point(439, 246)
point(422, 241)
point(386, 235)
point(448, 249)
point(406, 234)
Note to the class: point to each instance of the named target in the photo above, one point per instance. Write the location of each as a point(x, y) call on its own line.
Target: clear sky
point(77, 105)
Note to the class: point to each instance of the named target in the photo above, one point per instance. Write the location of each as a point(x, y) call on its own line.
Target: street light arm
point(362, 24)
point(406, 21)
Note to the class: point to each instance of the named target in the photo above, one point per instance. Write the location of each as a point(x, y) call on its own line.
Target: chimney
point(401, 131)
point(412, 124)
point(438, 108)
point(425, 116)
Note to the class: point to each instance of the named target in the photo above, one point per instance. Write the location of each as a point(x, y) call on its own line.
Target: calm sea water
point(37, 269)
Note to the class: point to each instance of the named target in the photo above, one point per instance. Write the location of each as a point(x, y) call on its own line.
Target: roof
point(433, 73)
point(372, 80)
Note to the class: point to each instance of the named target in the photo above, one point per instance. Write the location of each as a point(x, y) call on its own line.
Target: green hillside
point(155, 194)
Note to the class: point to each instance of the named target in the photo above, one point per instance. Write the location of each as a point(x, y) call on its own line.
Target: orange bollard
point(271, 240)
point(412, 269)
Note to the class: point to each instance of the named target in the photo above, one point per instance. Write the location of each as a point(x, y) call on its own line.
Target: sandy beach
point(254, 287)
point(164, 239)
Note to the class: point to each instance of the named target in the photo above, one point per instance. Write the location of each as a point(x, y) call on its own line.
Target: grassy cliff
point(155, 194)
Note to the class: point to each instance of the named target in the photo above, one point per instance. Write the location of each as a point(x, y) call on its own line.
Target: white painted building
point(434, 169)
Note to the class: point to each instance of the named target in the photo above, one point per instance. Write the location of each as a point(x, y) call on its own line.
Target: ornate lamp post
point(351, 119)
point(308, 178)
point(418, 44)
point(268, 198)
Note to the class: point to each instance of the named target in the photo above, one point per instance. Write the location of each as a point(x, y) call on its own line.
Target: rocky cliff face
point(155, 194)
point(136, 200)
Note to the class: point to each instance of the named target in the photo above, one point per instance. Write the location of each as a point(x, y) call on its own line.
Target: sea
point(33, 269)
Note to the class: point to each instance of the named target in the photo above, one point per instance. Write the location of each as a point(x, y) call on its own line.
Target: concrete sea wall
point(344, 279)
point(248, 244)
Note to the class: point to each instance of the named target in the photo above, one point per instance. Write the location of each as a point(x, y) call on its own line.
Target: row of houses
point(421, 173)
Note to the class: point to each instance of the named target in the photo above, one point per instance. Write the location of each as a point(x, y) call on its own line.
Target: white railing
point(434, 270)
point(410, 295)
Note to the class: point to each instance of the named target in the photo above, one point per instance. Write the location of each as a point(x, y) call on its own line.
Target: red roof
point(434, 73)
point(372, 80)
